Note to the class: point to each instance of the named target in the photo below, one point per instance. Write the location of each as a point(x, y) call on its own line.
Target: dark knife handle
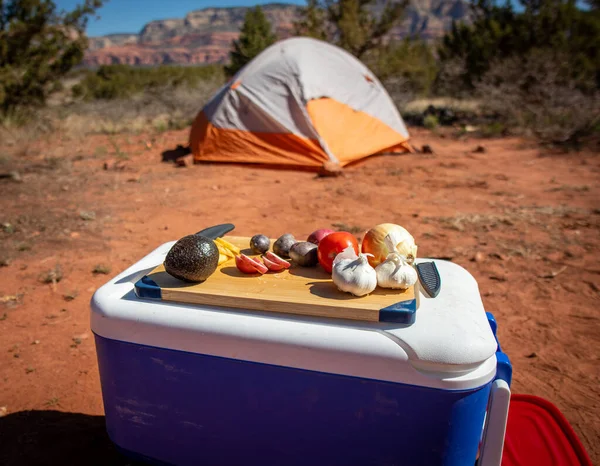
point(429, 278)
point(216, 231)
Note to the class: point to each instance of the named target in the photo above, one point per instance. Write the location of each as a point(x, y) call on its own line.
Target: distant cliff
point(205, 36)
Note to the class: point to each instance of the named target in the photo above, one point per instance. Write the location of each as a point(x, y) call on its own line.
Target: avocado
point(192, 258)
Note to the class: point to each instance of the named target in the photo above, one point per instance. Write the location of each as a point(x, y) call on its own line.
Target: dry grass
point(354, 229)
point(550, 219)
point(101, 269)
point(460, 105)
point(156, 111)
point(569, 188)
point(52, 276)
point(509, 217)
point(71, 295)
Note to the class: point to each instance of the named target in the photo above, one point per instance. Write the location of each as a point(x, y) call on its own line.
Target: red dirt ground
point(524, 221)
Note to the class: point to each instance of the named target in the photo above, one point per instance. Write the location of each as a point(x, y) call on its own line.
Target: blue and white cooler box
point(195, 385)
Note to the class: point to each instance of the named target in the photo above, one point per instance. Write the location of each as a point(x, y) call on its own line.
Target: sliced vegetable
point(224, 251)
point(274, 262)
point(223, 258)
point(247, 264)
point(227, 245)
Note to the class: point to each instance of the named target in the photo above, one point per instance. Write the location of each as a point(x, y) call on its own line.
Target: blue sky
point(131, 15)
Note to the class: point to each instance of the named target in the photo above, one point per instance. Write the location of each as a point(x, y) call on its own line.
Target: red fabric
point(537, 433)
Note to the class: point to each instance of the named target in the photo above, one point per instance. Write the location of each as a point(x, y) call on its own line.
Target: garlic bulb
point(353, 274)
point(396, 272)
point(403, 243)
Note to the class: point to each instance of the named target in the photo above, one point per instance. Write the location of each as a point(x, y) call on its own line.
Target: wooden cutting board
point(297, 290)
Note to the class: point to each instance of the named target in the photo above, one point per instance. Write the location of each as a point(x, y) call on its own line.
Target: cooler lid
point(451, 329)
point(450, 345)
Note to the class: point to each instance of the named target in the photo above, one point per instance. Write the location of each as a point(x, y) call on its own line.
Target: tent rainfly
point(301, 102)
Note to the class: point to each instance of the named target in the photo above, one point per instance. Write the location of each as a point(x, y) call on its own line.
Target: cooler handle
point(492, 445)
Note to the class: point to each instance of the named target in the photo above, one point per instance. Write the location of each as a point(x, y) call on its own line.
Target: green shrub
point(431, 122)
point(494, 129)
point(499, 31)
point(123, 81)
point(409, 60)
point(407, 69)
point(39, 44)
point(537, 95)
point(354, 25)
point(536, 69)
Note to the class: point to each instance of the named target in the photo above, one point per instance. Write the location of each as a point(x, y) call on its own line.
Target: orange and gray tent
point(300, 102)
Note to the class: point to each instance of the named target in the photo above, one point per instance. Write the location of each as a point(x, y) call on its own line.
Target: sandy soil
point(524, 221)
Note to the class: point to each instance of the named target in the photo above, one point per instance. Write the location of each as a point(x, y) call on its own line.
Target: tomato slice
point(273, 266)
point(275, 259)
point(247, 264)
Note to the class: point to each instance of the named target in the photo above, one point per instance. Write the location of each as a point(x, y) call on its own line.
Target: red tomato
point(332, 244)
